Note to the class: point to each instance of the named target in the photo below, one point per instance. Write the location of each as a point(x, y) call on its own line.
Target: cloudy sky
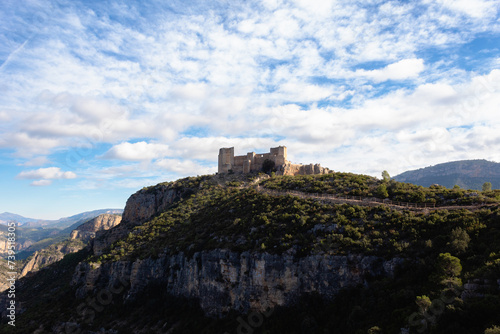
point(101, 98)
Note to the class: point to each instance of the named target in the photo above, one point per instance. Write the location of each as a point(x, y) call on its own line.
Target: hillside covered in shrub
point(449, 281)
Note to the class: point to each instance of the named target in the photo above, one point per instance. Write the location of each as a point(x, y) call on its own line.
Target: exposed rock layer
point(88, 230)
point(223, 280)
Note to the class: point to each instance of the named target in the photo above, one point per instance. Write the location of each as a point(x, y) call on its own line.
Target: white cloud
point(4, 116)
point(41, 183)
point(476, 9)
point(53, 173)
point(37, 161)
point(184, 167)
point(26, 145)
point(322, 8)
point(300, 92)
point(137, 151)
point(402, 70)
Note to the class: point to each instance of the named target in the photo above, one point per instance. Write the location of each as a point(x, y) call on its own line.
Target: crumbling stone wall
point(252, 162)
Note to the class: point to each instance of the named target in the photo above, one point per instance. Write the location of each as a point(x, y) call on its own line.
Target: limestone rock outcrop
point(140, 207)
point(87, 231)
point(223, 280)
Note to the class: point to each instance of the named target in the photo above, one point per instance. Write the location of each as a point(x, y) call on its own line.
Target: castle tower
point(226, 159)
point(279, 155)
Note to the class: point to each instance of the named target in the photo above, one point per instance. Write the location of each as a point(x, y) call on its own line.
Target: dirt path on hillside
point(369, 201)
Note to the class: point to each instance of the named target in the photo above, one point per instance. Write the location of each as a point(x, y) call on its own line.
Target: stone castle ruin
point(254, 162)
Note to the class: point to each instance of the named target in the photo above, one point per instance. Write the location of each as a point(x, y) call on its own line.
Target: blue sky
point(101, 98)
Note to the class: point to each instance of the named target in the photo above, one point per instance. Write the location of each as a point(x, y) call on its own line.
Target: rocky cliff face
point(88, 230)
point(140, 207)
point(223, 280)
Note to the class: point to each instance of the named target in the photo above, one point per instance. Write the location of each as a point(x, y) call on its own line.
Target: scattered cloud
point(477, 9)
point(41, 183)
point(402, 70)
point(53, 173)
point(184, 167)
point(137, 151)
point(36, 161)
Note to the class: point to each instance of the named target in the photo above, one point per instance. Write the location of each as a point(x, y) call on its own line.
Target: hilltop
point(201, 254)
point(467, 174)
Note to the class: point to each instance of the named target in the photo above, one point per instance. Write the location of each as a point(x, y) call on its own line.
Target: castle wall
point(252, 162)
point(295, 169)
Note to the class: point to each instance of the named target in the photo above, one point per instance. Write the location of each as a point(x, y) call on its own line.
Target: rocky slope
point(50, 255)
point(468, 174)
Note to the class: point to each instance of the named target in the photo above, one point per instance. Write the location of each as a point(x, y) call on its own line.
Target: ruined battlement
point(253, 162)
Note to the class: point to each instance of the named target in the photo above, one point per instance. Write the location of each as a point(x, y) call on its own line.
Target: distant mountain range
point(8, 217)
point(59, 223)
point(468, 174)
point(34, 234)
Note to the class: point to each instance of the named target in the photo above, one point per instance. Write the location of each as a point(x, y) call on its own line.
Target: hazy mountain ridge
point(468, 174)
point(36, 234)
point(58, 223)
point(8, 216)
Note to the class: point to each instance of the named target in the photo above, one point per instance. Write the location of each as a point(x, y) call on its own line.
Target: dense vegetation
point(367, 186)
point(443, 250)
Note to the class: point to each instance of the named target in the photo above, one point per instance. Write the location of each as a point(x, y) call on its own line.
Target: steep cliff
point(225, 281)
